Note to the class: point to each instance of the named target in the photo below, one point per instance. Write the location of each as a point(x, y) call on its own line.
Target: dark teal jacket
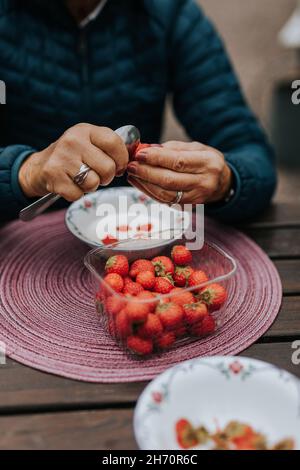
point(119, 70)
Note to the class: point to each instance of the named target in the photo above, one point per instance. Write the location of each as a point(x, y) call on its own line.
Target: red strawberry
point(144, 228)
point(206, 327)
point(137, 312)
point(117, 264)
point(139, 148)
point(166, 340)
point(146, 279)
point(186, 435)
point(181, 331)
point(214, 295)
point(194, 312)
point(180, 296)
point(170, 314)
point(114, 304)
point(115, 281)
point(131, 287)
point(181, 255)
point(162, 285)
point(122, 326)
point(139, 266)
point(182, 274)
point(109, 240)
point(146, 295)
point(163, 266)
point(151, 328)
point(164, 300)
point(139, 345)
point(197, 278)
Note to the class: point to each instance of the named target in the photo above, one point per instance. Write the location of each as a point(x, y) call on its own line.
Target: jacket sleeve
point(12, 199)
point(208, 102)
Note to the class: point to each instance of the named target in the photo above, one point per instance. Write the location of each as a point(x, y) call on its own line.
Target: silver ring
point(81, 175)
point(178, 198)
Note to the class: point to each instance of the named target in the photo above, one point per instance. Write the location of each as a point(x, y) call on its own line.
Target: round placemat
point(48, 319)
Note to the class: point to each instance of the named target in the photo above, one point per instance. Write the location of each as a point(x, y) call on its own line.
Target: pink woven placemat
point(47, 315)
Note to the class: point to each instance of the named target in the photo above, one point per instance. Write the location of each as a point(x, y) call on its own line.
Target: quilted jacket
point(119, 69)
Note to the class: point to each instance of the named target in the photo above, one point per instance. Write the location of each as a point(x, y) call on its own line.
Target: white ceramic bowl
point(89, 217)
point(218, 390)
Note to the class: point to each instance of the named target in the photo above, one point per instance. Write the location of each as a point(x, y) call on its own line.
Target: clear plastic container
point(143, 335)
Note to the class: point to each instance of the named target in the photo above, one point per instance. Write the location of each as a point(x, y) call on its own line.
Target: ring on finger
point(81, 176)
point(178, 198)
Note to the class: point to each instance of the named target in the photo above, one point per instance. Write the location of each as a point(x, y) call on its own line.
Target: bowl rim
point(77, 233)
point(89, 265)
point(169, 370)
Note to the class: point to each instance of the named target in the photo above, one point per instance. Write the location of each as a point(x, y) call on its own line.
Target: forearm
point(12, 199)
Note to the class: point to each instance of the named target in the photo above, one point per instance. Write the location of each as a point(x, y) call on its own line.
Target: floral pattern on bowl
point(218, 390)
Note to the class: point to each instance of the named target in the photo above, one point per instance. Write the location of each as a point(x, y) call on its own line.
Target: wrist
point(226, 183)
point(25, 177)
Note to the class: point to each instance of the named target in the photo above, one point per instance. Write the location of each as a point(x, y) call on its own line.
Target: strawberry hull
point(148, 317)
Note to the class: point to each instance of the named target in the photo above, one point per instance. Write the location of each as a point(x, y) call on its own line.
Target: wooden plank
point(279, 354)
point(278, 215)
point(81, 430)
point(101, 429)
point(289, 271)
point(23, 388)
point(287, 324)
point(277, 243)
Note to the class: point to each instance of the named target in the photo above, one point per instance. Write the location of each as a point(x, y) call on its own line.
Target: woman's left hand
point(199, 171)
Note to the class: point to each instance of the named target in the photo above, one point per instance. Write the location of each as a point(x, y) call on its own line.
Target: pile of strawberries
point(153, 307)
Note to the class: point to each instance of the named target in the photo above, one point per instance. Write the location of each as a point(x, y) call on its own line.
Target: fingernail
point(132, 168)
point(120, 173)
point(141, 156)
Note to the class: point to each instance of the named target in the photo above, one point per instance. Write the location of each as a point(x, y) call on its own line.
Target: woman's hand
point(197, 170)
point(53, 169)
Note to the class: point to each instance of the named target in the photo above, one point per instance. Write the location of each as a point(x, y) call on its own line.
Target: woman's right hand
point(53, 169)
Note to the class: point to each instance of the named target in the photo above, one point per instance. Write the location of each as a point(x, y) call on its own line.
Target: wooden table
point(42, 411)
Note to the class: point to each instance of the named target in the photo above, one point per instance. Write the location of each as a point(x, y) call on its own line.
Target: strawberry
point(137, 312)
point(166, 340)
point(164, 300)
point(170, 315)
point(214, 296)
point(115, 281)
point(139, 345)
point(186, 435)
point(197, 278)
point(181, 275)
point(181, 255)
point(139, 266)
point(162, 285)
point(122, 326)
point(109, 240)
point(181, 331)
point(144, 228)
point(206, 327)
point(117, 264)
point(180, 296)
point(114, 304)
point(163, 266)
point(146, 279)
point(131, 287)
point(146, 295)
point(194, 312)
point(139, 148)
point(151, 328)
